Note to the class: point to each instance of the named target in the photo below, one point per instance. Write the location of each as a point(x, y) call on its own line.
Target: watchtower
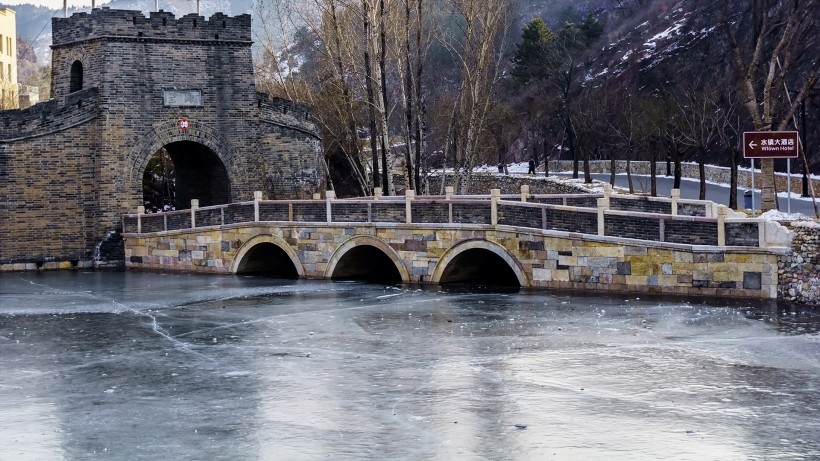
point(125, 87)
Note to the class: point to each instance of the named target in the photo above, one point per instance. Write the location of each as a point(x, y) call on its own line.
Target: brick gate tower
point(124, 87)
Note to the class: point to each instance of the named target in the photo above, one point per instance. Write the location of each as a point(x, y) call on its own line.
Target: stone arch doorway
point(181, 171)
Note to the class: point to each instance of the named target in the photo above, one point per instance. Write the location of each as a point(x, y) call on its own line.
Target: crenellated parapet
point(161, 25)
point(287, 114)
point(49, 117)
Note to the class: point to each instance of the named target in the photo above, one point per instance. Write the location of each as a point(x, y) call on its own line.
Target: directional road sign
point(770, 144)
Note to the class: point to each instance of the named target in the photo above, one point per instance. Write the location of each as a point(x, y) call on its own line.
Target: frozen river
point(127, 366)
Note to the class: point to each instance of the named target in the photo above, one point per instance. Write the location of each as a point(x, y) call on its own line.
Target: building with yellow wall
point(8, 59)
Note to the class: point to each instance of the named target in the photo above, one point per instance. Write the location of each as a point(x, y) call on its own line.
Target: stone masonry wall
point(482, 183)
point(714, 173)
point(799, 270)
point(553, 260)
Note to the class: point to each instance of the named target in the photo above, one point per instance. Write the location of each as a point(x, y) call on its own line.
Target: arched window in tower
point(76, 82)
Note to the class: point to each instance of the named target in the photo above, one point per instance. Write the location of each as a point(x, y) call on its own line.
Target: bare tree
point(771, 60)
point(480, 49)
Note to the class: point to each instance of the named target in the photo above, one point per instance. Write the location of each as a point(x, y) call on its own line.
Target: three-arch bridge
point(585, 241)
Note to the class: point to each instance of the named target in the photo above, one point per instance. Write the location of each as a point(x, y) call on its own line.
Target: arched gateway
point(125, 88)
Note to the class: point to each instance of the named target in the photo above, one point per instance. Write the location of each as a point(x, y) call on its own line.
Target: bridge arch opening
point(267, 259)
point(479, 266)
point(181, 171)
point(366, 263)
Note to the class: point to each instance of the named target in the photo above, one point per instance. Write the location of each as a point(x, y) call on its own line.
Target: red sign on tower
point(184, 124)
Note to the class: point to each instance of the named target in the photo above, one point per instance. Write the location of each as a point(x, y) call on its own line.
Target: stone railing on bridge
point(670, 220)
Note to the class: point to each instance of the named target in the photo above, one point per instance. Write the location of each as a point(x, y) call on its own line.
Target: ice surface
point(128, 366)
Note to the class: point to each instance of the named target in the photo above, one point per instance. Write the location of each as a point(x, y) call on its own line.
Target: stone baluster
point(495, 196)
point(603, 205)
point(257, 196)
point(675, 198)
point(409, 196)
point(525, 192)
point(330, 196)
point(194, 206)
point(140, 212)
point(377, 193)
point(448, 192)
point(721, 225)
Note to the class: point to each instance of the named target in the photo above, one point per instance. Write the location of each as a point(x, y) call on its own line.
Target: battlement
point(286, 113)
point(132, 24)
point(49, 116)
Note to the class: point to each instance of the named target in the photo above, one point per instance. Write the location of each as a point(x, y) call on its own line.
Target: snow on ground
point(775, 215)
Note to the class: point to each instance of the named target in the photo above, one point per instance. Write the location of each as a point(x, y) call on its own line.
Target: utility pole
point(156, 3)
point(93, 4)
point(197, 7)
point(65, 8)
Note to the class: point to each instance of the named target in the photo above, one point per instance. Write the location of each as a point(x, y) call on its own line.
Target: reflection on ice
point(169, 366)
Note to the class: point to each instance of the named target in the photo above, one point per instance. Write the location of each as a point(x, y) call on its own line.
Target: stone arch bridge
point(581, 242)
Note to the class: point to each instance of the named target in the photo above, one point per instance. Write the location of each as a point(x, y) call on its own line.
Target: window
point(10, 72)
point(2, 73)
point(76, 81)
point(1, 43)
point(9, 47)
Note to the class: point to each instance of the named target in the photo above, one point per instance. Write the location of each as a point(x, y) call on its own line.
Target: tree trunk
point(420, 107)
point(629, 173)
point(387, 177)
point(408, 101)
point(678, 173)
point(371, 98)
point(702, 175)
point(733, 155)
point(612, 166)
point(653, 177)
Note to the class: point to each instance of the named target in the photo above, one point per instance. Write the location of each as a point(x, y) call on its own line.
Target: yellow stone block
point(568, 260)
point(641, 280)
point(667, 280)
point(727, 276)
point(64, 265)
point(560, 276)
point(644, 268)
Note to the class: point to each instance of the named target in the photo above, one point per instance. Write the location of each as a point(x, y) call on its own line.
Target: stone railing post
point(607, 191)
point(330, 196)
point(448, 192)
point(721, 225)
point(603, 205)
point(495, 196)
point(409, 196)
point(317, 196)
point(525, 192)
point(257, 196)
point(140, 212)
point(194, 206)
point(675, 197)
point(377, 193)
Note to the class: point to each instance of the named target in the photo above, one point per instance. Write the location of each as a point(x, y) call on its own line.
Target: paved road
point(690, 189)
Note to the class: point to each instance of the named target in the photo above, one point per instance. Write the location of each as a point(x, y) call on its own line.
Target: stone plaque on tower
point(182, 98)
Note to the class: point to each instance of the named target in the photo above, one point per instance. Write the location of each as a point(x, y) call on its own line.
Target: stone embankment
point(716, 174)
point(799, 270)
